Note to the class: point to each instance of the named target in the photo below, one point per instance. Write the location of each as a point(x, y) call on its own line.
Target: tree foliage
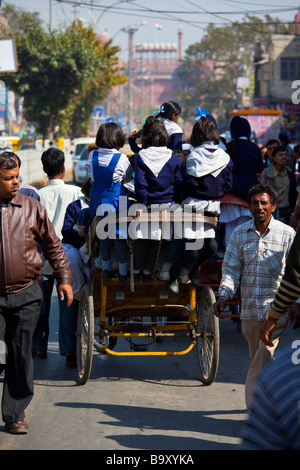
point(62, 74)
point(211, 67)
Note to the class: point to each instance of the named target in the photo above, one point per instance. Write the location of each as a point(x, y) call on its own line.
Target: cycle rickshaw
point(148, 311)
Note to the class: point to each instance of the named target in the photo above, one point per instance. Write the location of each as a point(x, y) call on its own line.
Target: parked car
point(80, 173)
point(80, 144)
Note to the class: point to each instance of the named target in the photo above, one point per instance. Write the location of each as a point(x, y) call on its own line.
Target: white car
point(80, 145)
point(79, 172)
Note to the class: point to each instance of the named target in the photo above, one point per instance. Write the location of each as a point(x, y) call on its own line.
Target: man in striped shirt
point(255, 260)
point(287, 295)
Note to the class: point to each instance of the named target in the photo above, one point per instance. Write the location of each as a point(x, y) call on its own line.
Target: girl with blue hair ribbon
point(169, 113)
point(208, 177)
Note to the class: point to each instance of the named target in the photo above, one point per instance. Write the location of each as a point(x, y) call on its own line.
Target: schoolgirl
point(158, 180)
point(208, 178)
point(140, 134)
point(169, 113)
point(107, 167)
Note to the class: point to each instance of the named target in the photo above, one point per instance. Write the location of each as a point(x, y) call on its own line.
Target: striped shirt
point(255, 262)
point(289, 289)
point(274, 416)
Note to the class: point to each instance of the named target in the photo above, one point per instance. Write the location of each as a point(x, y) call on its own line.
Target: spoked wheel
point(208, 341)
point(85, 334)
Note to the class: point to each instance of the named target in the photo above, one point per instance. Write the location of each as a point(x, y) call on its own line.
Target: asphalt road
point(141, 403)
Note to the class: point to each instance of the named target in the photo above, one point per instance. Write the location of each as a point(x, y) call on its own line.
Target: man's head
point(53, 161)
point(270, 145)
point(262, 203)
point(9, 175)
point(280, 156)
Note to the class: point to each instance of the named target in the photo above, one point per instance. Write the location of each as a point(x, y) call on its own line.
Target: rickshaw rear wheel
point(208, 339)
point(85, 334)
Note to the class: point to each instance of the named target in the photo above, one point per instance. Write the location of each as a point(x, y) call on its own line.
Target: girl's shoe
point(184, 278)
point(174, 287)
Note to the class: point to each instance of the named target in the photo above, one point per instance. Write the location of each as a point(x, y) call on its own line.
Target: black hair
point(182, 154)
point(204, 130)
point(149, 121)
point(9, 160)
point(297, 148)
point(263, 188)
point(169, 108)
point(280, 148)
point(110, 136)
point(157, 136)
point(86, 187)
point(53, 161)
point(271, 142)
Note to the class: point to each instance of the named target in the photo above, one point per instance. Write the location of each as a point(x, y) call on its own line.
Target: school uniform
point(108, 168)
point(159, 178)
point(208, 178)
point(175, 133)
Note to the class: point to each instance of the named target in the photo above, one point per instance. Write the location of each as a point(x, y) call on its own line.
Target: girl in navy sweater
point(208, 178)
point(158, 180)
point(169, 114)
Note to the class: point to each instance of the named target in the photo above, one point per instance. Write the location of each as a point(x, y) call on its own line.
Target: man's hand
point(219, 306)
point(294, 316)
point(266, 330)
point(65, 291)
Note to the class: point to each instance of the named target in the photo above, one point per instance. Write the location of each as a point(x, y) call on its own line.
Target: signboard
point(3, 101)
point(8, 55)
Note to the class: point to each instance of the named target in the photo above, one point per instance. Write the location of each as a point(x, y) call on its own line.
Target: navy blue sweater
point(166, 187)
point(247, 161)
point(209, 187)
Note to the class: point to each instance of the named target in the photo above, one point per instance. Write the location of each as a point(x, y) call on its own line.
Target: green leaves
point(60, 72)
point(211, 67)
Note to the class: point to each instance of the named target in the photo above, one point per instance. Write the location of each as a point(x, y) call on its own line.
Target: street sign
point(8, 55)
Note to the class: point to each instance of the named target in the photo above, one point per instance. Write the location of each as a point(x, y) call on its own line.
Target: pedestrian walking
point(55, 196)
point(24, 225)
point(255, 259)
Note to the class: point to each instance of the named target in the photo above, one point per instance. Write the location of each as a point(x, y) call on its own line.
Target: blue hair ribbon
point(160, 110)
point(200, 113)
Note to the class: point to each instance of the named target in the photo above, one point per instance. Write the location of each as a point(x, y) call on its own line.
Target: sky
point(192, 16)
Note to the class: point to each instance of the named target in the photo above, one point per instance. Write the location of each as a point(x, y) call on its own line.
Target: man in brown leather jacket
point(23, 224)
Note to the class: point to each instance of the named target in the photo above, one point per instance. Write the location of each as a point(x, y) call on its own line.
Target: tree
point(212, 66)
point(61, 75)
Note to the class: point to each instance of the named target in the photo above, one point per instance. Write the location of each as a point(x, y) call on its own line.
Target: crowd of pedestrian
point(250, 193)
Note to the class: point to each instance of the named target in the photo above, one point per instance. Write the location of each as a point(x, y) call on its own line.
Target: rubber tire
point(208, 343)
point(85, 334)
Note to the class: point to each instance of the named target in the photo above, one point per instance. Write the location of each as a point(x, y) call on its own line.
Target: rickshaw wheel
point(208, 341)
point(85, 334)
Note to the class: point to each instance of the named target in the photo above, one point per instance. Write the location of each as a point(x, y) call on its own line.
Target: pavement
point(143, 403)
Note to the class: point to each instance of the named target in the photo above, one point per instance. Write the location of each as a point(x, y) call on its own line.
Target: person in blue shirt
point(73, 243)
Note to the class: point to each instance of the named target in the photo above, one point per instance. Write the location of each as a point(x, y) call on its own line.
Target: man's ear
point(273, 208)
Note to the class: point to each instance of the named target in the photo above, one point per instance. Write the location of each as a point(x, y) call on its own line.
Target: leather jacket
point(24, 224)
